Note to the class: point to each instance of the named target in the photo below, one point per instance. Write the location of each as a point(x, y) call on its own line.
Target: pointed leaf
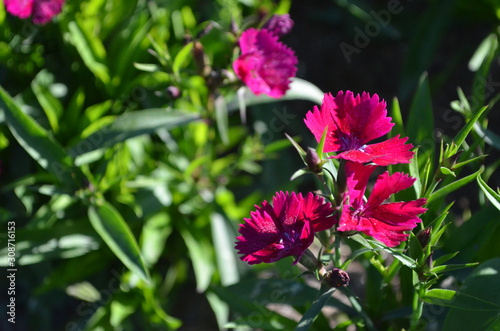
point(420, 124)
point(115, 232)
point(299, 90)
point(35, 141)
point(454, 299)
point(464, 132)
point(450, 267)
point(493, 196)
point(312, 313)
point(406, 260)
point(130, 125)
point(478, 305)
point(442, 192)
point(222, 119)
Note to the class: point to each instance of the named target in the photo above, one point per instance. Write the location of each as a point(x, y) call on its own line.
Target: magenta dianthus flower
point(284, 229)
point(42, 10)
point(354, 121)
point(386, 222)
point(279, 25)
point(265, 64)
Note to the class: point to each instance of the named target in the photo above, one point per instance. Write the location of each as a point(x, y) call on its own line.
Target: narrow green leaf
point(450, 267)
point(442, 192)
point(359, 238)
point(201, 253)
point(480, 78)
point(299, 173)
point(464, 132)
point(131, 125)
point(481, 52)
point(415, 173)
point(406, 260)
point(439, 261)
point(299, 149)
point(147, 67)
point(90, 49)
point(223, 237)
point(312, 313)
point(51, 105)
point(420, 124)
point(299, 90)
point(353, 256)
point(221, 118)
point(446, 171)
point(35, 141)
point(461, 164)
point(477, 304)
point(455, 299)
point(115, 232)
point(321, 145)
point(493, 196)
point(181, 58)
point(154, 235)
point(397, 119)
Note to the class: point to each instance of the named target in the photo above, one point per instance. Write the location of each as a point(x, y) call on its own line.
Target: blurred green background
point(127, 197)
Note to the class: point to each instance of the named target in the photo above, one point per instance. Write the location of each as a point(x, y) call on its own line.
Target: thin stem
point(337, 259)
point(418, 306)
point(357, 306)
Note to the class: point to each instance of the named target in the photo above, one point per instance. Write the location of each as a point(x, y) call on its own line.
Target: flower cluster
point(287, 227)
point(265, 64)
point(41, 10)
point(351, 122)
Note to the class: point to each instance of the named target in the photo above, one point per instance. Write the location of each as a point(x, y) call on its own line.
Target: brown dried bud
point(337, 278)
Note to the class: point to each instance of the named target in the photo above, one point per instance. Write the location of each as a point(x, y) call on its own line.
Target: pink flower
point(354, 121)
point(42, 10)
point(386, 222)
point(279, 25)
point(284, 229)
point(265, 65)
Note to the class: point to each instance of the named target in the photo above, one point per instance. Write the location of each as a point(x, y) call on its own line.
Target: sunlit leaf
point(115, 232)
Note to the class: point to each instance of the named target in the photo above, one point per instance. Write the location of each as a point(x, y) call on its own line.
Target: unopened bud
point(424, 236)
point(313, 161)
point(337, 278)
point(279, 25)
point(428, 263)
point(173, 92)
point(452, 160)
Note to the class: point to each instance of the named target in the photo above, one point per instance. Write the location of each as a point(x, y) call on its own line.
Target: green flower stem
point(337, 259)
point(357, 306)
point(418, 306)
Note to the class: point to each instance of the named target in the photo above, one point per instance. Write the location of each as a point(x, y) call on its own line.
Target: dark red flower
point(265, 64)
point(42, 10)
point(284, 229)
point(354, 121)
point(387, 222)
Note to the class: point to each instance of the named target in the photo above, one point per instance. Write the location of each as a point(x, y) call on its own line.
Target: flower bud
point(173, 92)
point(337, 278)
point(279, 25)
point(424, 236)
point(313, 161)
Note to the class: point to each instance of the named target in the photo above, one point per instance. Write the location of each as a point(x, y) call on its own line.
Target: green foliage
point(130, 153)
